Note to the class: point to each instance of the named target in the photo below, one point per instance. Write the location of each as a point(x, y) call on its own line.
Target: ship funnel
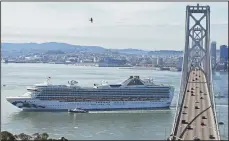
point(137, 77)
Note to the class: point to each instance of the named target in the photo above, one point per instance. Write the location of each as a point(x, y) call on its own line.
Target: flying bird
point(91, 20)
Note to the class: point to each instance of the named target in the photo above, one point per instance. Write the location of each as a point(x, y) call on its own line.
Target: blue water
point(98, 125)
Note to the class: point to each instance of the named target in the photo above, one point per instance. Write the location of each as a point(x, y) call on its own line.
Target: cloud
point(220, 23)
point(116, 25)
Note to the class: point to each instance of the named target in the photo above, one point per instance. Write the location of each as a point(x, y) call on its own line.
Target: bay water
point(123, 125)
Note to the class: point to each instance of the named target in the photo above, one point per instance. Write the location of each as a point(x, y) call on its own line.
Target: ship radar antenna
point(73, 82)
point(104, 82)
point(48, 80)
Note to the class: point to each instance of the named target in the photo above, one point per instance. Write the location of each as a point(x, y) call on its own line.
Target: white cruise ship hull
point(29, 104)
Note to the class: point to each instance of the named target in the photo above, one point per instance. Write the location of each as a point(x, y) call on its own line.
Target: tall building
point(213, 53)
point(180, 62)
point(159, 61)
point(154, 61)
point(223, 53)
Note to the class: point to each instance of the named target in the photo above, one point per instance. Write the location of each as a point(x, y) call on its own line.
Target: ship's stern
point(171, 94)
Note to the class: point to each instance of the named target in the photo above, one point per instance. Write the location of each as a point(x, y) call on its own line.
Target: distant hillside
point(132, 51)
point(54, 47)
point(19, 48)
point(49, 46)
point(165, 52)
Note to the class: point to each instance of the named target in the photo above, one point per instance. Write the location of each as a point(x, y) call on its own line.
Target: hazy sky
point(150, 26)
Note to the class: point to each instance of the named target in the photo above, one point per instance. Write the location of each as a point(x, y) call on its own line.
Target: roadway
point(196, 105)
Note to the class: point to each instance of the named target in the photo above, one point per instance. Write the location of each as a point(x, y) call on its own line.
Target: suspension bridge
point(195, 117)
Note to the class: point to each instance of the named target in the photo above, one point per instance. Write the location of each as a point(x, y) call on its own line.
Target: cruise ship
point(132, 94)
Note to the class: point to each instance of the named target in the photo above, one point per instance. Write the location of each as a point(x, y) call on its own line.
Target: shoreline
point(170, 69)
point(8, 136)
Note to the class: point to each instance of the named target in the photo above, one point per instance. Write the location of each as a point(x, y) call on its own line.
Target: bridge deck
point(197, 84)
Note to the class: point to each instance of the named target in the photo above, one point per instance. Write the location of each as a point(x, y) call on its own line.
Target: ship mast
point(48, 80)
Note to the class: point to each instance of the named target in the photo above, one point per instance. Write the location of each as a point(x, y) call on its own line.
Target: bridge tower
point(196, 54)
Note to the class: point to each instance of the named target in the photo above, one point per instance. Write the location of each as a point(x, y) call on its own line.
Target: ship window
point(115, 86)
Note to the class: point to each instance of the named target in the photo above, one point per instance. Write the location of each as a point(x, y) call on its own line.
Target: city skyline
point(146, 26)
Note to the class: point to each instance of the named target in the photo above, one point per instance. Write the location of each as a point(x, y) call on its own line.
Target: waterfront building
point(223, 53)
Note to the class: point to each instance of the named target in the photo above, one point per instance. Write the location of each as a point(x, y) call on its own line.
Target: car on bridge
point(196, 139)
point(202, 123)
point(203, 117)
point(189, 127)
point(211, 137)
point(184, 122)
